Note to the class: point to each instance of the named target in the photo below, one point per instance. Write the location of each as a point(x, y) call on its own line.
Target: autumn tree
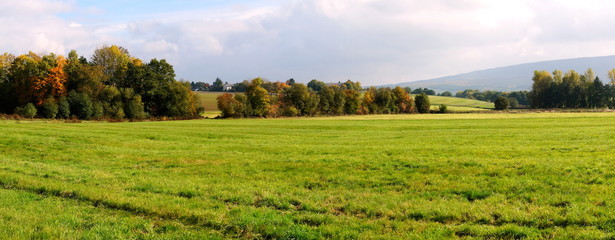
point(403, 100)
point(53, 84)
point(114, 61)
point(612, 76)
point(352, 101)
point(227, 105)
point(258, 98)
point(368, 105)
point(542, 82)
point(349, 84)
point(24, 71)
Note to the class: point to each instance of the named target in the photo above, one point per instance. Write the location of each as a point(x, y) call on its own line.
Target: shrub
point(28, 111)
point(443, 108)
point(49, 109)
point(422, 103)
point(501, 103)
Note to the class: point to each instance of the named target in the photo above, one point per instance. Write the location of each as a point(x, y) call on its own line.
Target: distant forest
point(572, 90)
point(112, 84)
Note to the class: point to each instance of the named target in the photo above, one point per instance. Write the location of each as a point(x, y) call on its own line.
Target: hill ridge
point(512, 77)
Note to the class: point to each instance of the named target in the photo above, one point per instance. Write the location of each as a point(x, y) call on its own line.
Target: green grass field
point(460, 104)
point(208, 100)
point(511, 176)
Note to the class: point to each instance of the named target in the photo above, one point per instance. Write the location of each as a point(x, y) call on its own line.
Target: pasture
point(469, 176)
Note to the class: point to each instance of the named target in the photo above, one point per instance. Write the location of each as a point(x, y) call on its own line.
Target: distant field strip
point(460, 102)
point(208, 100)
point(512, 176)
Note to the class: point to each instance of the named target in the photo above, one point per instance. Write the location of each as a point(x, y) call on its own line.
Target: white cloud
point(373, 41)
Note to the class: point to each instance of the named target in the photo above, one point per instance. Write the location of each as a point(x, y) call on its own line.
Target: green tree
point(63, 108)
point(112, 105)
point(80, 105)
point(97, 110)
point(501, 103)
point(326, 101)
point(571, 90)
point(514, 103)
point(301, 98)
point(243, 107)
point(217, 85)
point(290, 82)
point(133, 106)
point(446, 94)
point(422, 104)
point(83, 77)
point(385, 101)
point(316, 85)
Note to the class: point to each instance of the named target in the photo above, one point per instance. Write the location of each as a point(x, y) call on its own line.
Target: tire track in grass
point(234, 228)
point(11, 183)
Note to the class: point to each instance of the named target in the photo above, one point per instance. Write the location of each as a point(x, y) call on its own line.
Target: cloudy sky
point(372, 41)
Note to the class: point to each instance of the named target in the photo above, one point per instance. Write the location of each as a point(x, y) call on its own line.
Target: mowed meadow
point(513, 176)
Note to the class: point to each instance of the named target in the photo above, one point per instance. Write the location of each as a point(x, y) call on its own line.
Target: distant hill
point(512, 78)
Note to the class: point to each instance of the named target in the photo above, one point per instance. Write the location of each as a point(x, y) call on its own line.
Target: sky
point(371, 41)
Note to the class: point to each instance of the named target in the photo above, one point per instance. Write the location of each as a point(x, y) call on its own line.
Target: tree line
point(572, 90)
point(218, 86)
point(318, 98)
point(112, 84)
point(515, 98)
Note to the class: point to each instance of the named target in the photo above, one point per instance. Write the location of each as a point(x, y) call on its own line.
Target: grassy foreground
point(516, 176)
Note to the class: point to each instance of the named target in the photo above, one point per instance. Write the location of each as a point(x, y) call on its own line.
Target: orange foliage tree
point(53, 85)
